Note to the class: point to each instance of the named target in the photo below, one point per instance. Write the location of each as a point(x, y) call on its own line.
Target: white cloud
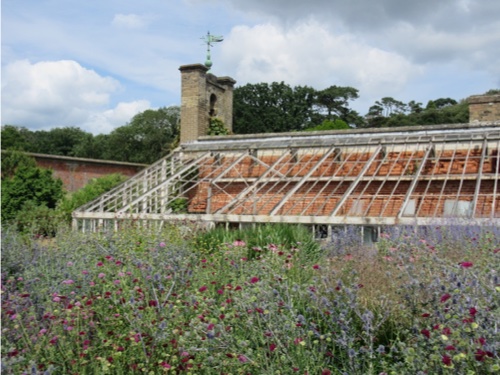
point(62, 93)
point(106, 121)
point(309, 54)
point(129, 21)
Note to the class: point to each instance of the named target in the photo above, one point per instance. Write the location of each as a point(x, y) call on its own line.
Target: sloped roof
point(417, 175)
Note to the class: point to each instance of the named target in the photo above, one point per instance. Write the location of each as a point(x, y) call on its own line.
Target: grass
point(267, 300)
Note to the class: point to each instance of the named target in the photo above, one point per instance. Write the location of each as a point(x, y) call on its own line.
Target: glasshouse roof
point(418, 176)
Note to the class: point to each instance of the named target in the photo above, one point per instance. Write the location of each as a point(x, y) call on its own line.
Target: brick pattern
point(381, 192)
point(76, 173)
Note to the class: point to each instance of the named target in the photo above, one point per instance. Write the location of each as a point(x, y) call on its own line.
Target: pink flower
point(68, 282)
point(254, 280)
point(316, 267)
point(239, 242)
point(100, 264)
point(165, 365)
point(203, 288)
point(162, 244)
point(85, 272)
point(445, 297)
point(101, 275)
point(272, 347)
point(56, 299)
point(466, 264)
point(242, 358)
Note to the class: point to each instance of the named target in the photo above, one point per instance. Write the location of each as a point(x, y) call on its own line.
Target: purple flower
point(68, 282)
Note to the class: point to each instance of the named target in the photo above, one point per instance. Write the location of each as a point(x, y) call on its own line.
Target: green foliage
point(89, 192)
point(27, 183)
point(37, 220)
point(179, 205)
point(147, 138)
point(217, 127)
point(329, 125)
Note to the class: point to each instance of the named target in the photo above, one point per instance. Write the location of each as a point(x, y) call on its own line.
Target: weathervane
point(209, 39)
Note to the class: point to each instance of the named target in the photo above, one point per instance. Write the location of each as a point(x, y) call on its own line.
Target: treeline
point(257, 108)
point(149, 136)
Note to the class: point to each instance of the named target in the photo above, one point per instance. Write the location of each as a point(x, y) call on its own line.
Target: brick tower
point(203, 96)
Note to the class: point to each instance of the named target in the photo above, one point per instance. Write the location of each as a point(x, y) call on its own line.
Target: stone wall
point(484, 108)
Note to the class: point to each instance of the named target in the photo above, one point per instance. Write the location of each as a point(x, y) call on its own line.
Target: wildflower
point(99, 264)
point(162, 244)
point(69, 264)
point(446, 360)
point(68, 282)
point(326, 372)
point(239, 242)
point(254, 280)
point(316, 267)
point(242, 358)
point(165, 365)
point(466, 264)
point(272, 347)
point(220, 291)
point(101, 275)
point(472, 311)
point(426, 333)
point(445, 297)
point(202, 289)
point(481, 354)
point(53, 341)
point(85, 272)
point(450, 347)
point(152, 303)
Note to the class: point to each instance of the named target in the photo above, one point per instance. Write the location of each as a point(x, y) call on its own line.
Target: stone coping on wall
point(86, 160)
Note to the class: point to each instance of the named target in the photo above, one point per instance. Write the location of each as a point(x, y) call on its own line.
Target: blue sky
point(94, 64)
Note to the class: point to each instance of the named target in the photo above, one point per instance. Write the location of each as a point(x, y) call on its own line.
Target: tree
point(23, 182)
point(15, 138)
point(66, 141)
point(148, 137)
point(334, 100)
point(272, 108)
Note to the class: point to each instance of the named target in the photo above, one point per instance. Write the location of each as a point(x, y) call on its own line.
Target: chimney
point(203, 95)
point(484, 109)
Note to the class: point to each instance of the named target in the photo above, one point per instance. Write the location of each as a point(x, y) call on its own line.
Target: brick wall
point(449, 175)
point(77, 172)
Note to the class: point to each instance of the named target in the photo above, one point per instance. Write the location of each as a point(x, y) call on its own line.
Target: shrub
point(89, 192)
point(217, 127)
point(24, 182)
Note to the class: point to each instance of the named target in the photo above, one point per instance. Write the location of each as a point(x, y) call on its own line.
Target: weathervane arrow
point(209, 40)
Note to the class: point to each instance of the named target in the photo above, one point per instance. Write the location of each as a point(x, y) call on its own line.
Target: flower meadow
point(268, 300)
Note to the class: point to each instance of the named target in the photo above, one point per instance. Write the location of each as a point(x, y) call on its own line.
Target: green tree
point(334, 100)
point(66, 141)
point(272, 108)
point(24, 183)
point(148, 137)
point(330, 125)
point(16, 138)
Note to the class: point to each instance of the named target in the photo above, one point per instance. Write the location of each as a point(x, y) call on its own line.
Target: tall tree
point(276, 107)
point(148, 137)
point(334, 101)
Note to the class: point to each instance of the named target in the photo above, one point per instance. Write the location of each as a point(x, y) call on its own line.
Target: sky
point(94, 64)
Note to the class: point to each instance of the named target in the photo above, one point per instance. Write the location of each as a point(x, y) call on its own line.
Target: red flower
point(326, 372)
point(316, 267)
point(425, 315)
point(100, 264)
point(153, 303)
point(272, 347)
point(466, 264)
point(480, 354)
point(426, 333)
point(472, 311)
point(254, 280)
point(446, 331)
point(450, 347)
point(446, 360)
point(445, 297)
point(203, 288)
